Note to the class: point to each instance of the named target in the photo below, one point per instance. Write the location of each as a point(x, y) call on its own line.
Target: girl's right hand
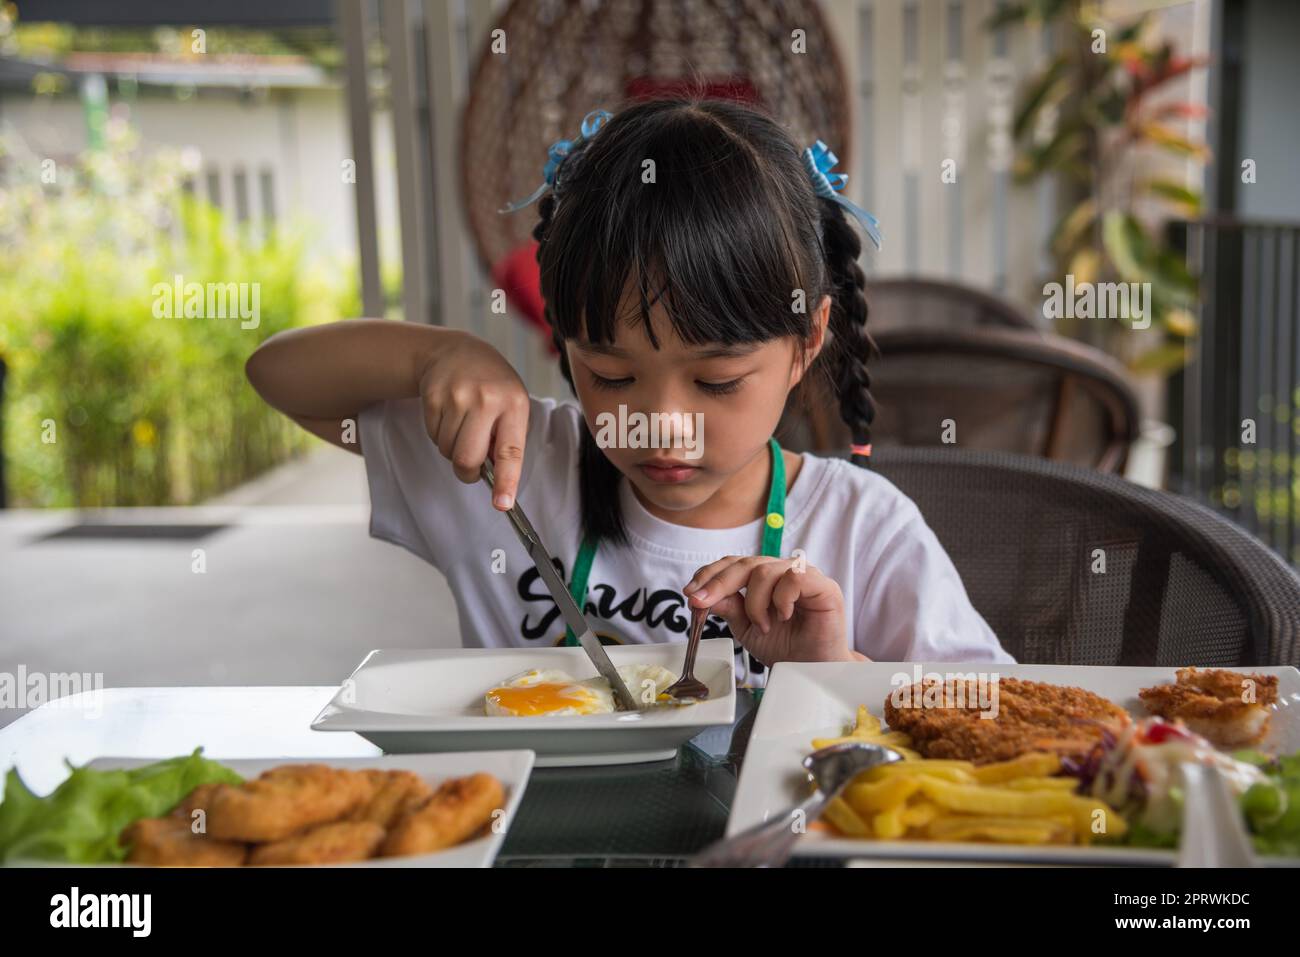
point(475, 408)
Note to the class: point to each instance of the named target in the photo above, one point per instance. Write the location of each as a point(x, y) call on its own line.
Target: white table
point(265, 722)
point(651, 813)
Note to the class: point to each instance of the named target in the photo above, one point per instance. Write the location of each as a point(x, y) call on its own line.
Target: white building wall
point(299, 136)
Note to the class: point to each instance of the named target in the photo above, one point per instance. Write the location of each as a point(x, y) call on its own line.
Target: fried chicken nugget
point(326, 844)
point(284, 801)
point(1230, 709)
point(395, 793)
point(170, 842)
point(196, 800)
point(458, 809)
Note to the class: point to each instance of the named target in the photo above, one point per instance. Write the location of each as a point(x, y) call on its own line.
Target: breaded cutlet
point(1228, 708)
point(1030, 716)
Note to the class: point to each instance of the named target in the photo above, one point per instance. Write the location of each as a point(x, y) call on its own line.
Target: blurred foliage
point(142, 410)
point(50, 41)
point(1090, 118)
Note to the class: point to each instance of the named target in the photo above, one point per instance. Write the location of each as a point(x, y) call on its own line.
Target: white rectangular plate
point(432, 700)
point(818, 700)
point(511, 768)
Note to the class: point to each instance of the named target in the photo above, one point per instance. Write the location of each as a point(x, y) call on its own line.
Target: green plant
point(108, 403)
point(1093, 119)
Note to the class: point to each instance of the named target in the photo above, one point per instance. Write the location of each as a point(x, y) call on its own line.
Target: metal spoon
point(687, 686)
point(1213, 833)
point(769, 844)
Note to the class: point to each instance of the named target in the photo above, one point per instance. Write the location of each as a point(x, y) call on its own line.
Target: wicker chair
point(913, 304)
point(1181, 586)
point(1005, 389)
point(567, 58)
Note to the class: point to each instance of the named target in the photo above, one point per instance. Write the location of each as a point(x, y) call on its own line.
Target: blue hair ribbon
point(819, 162)
point(555, 155)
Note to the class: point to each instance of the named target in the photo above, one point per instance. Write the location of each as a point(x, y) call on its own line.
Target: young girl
point(692, 265)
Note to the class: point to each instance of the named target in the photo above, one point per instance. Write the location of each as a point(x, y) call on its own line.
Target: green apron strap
point(774, 525)
point(578, 584)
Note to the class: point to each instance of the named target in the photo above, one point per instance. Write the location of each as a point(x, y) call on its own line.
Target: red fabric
point(521, 279)
point(731, 88)
point(518, 273)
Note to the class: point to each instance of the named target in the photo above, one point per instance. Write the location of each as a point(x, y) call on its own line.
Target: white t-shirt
point(904, 600)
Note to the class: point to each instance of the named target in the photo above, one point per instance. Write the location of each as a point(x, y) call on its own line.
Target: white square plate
point(432, 700)
point(511, 768)
point(818, 700)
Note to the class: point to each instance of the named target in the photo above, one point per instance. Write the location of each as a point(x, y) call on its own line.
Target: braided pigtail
point(851, 346)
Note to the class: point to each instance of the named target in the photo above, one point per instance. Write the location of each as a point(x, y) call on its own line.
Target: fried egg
point(548, 692)
point(646, 682)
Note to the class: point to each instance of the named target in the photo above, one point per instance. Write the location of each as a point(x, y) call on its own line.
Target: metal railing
point(1236, 404)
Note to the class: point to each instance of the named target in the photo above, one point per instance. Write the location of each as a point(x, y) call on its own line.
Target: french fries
point(1019, 801)
point(869, 730)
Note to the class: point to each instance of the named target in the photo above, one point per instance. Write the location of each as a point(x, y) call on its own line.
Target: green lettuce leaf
point(1273, 808)
point(1139, 835)
point(79, 822)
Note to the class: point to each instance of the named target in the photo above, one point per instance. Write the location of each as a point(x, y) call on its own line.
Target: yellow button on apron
point(775, 520)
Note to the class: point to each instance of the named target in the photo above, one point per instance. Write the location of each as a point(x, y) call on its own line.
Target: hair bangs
point(704, 231)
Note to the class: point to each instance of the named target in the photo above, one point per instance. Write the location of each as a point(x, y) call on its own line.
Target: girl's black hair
point(725, 226)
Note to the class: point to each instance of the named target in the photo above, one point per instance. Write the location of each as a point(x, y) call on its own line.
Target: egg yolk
point(541, 698)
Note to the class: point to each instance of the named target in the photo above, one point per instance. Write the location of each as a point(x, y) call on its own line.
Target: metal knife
point(573, 615)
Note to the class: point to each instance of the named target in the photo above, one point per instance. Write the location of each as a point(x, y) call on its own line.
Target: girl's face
point(710, 408)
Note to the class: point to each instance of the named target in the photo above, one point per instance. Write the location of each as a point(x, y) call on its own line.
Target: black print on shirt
point(661, 608)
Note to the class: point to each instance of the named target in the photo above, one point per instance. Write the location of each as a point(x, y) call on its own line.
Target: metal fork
point(687, 686)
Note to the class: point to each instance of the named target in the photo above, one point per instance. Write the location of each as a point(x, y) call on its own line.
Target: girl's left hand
point(790, 611)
